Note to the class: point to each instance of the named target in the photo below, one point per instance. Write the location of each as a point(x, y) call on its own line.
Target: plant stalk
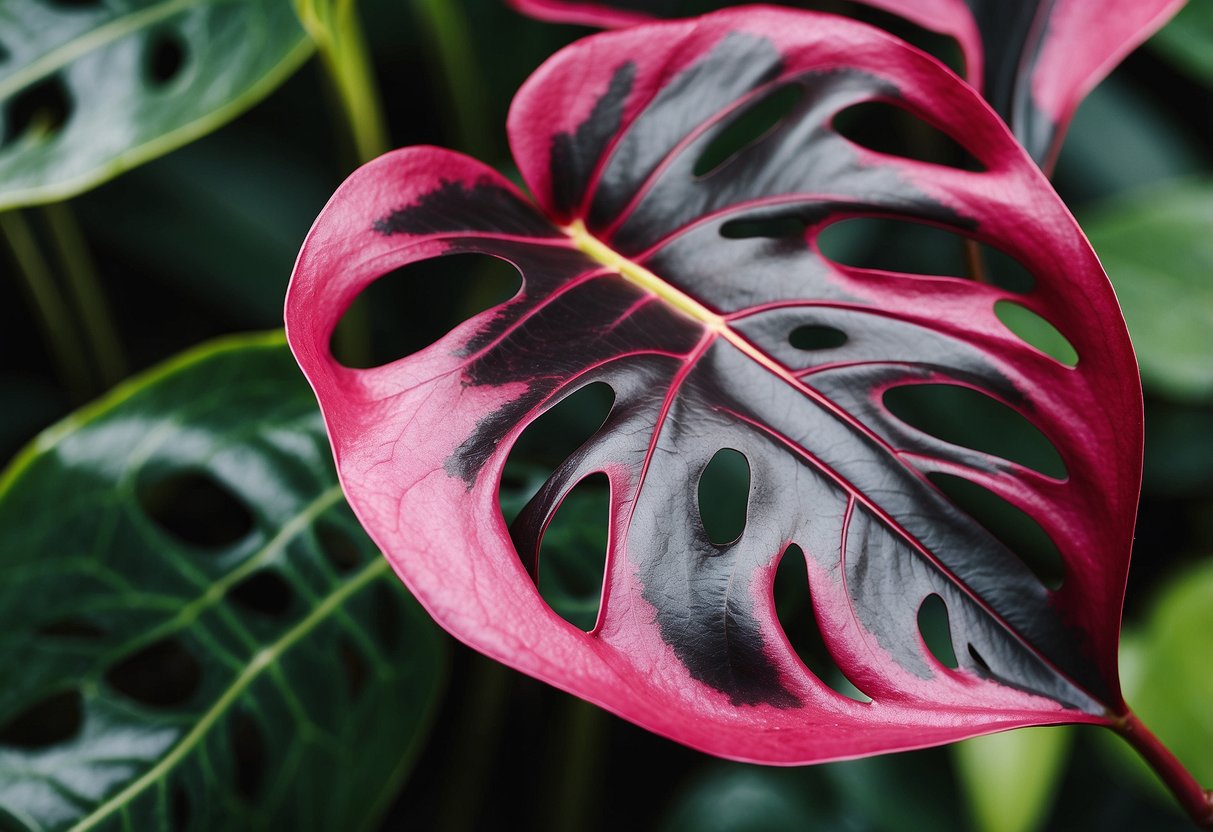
point(455, 60)
point(341, 43)
point(342, 46)
point(576, 764)
point(54, 317)
point(1196, 800)
point(91, 305)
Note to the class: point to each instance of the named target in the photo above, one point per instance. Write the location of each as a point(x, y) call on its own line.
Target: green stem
point(334, 26)
point(91, 305)
point(451, 51)
point(576, 764)
point(475, 750)
point(342, 46)
point(54, 317)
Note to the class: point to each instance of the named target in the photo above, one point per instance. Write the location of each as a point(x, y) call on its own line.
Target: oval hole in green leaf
point(741, 130)
point(794, 609)
point(545, 443)
point(936, 631)
point(53, 720)
point(338, 547)
point(195, 508)
point(724, 496)
point(817, 337)
point(572, 553)
point(179, 809)
point(967, 417)
point(414, 306)
point(264, 592)
point(248, 754)
point(893, 130)
point(917, 248)
point(354, 666)
point(164, 58)
point(1012, 526)
point(38, 112)
point(1036, 332)
point(387, 618)
point(71, 627)
point(163, 675)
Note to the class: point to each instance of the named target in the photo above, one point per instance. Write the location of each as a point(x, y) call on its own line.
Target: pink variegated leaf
point(1035, 60)
point(641, 274)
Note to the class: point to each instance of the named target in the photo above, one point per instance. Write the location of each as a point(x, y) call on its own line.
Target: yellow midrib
point(678, 300)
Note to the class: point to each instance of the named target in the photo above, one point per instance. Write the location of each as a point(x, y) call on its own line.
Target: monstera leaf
point(194, 632)
point(698, 294)
point(1034, 60)
point(89, 90)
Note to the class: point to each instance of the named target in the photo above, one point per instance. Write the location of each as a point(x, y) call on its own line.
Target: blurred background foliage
point(197, 241)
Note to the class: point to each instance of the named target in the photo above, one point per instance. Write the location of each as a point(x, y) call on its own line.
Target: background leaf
point(195, 631)
point(89, 90)
point(1169, 683)
point(1010, 779)
point(1157, 246)
point(1188, 40)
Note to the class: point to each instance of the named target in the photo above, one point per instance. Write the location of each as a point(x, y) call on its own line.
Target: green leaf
point(1167, 675)
point(1157, 246)
point(1010, 779)
point(1187, 41)
point(737, 798)
point(194, 631)
point(89, 90)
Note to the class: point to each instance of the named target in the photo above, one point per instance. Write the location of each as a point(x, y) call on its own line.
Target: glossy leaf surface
point(1033, 59)
point(89, 90)
point(687, 295)
point(194, 632)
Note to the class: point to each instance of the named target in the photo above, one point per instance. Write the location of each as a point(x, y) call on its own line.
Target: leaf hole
point(946, 49)
point(248, 755)
point(545, 443)
point(895, 131)
point(164, 58)
point(907, 247)
point(387, 619)
point(179, 809)
point(746, 128)
point(53, 720)
point(774, 227)
point(338, 548)
point(983, 666)
point(194, 508)
point(1013, 527)
point(71, 627)
point(1036, 332)
point(573, 551)
point(264, 592)
point(354, 666)
point(794, 609)
point(37, 113)
point(414, 306)
point(163, 675)
point(724, 496)
point(816, 337)
point(969, 418)
point(936, 630)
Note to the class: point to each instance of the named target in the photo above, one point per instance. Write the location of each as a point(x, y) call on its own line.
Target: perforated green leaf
point(194, 631)
point(91, 89)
